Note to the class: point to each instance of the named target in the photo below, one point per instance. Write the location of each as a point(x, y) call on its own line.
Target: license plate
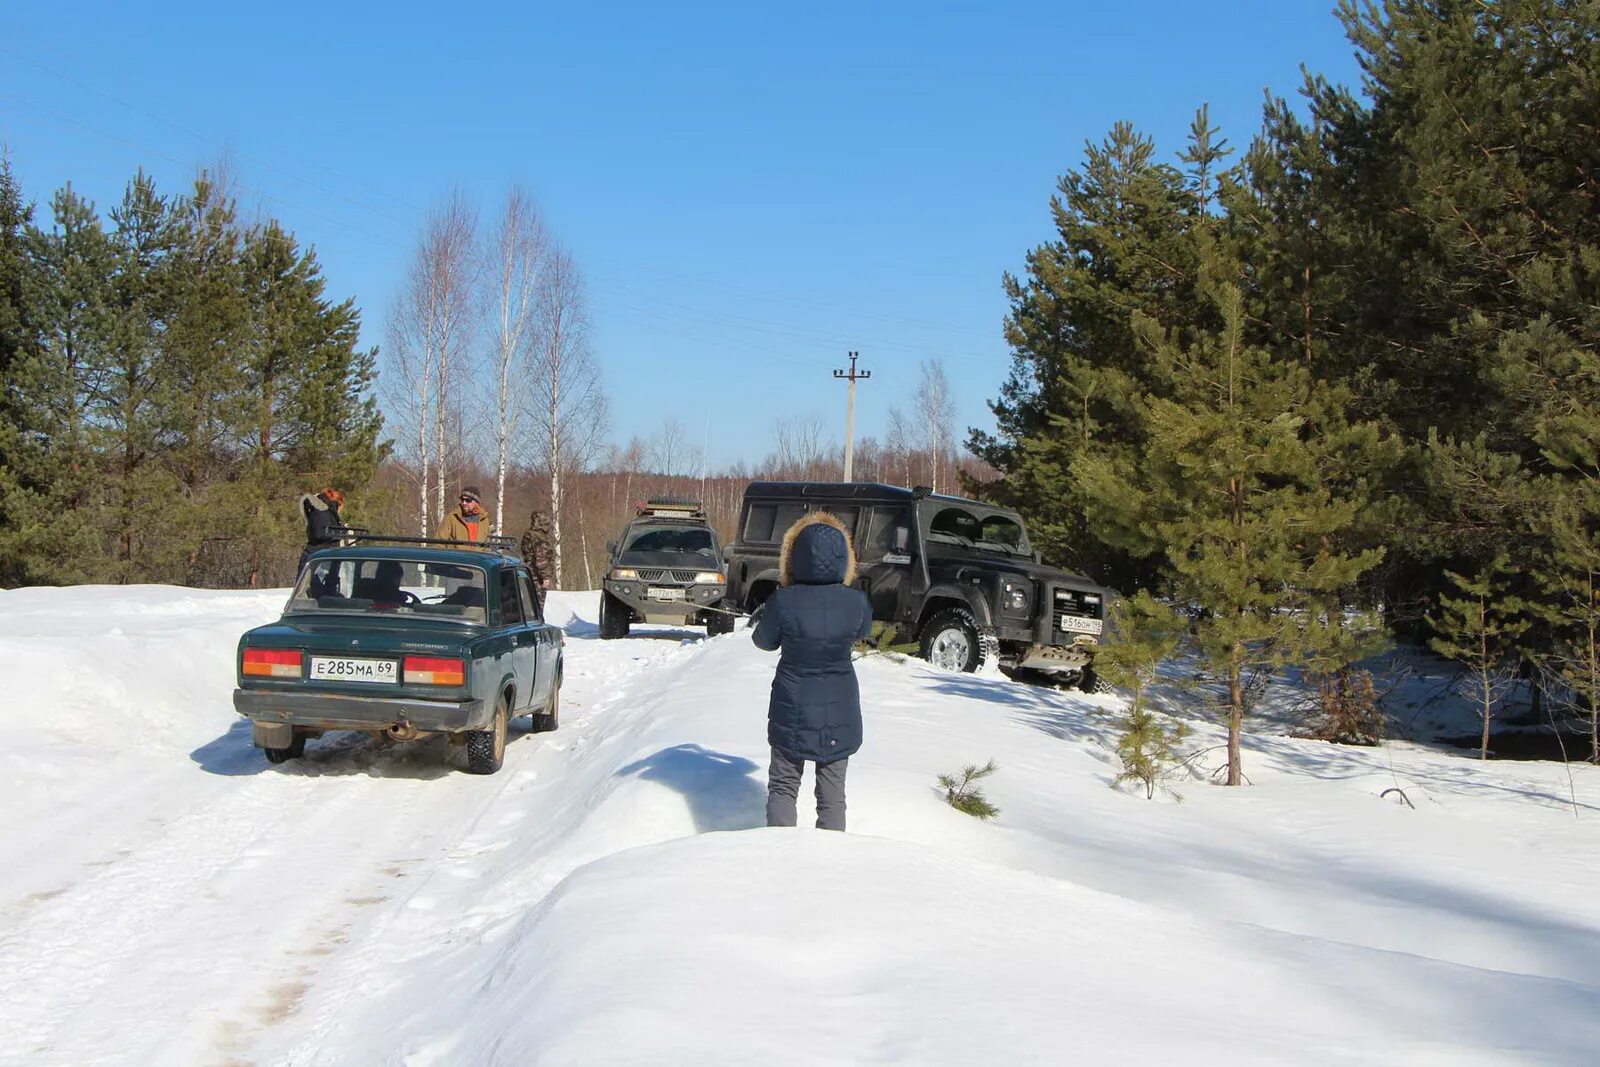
point(1081, 626)
point(657, 592)
point(343, 669)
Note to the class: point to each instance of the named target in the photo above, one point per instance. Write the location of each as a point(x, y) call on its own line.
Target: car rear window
point(426, 588)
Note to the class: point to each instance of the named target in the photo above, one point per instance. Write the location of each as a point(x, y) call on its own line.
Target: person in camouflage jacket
point(538, 551)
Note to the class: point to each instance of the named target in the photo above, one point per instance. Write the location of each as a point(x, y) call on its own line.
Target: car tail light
point(271, 663)
point(432, 670)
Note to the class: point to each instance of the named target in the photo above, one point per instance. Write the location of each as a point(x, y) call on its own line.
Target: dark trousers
point(783, 786)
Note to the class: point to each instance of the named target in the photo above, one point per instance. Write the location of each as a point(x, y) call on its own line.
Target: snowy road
point(236, 885)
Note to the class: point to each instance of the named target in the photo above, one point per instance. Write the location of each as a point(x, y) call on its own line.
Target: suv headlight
point(709, 578)
point(625, 573)
point(1015, 597)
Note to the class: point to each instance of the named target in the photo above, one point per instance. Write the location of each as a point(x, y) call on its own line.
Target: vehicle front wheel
point(951, 642)
point(718, 623)
point(1090, 682)
point(486, 749)
point(295, 750)
point(615, 617)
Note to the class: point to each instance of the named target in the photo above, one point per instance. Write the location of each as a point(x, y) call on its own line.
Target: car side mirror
point(902, 540)
point(611, 548)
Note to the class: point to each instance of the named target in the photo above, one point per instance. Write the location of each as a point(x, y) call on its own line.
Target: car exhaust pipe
point(403, 731)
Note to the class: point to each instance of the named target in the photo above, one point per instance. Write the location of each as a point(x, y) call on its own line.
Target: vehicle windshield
point(425, 588)
point(978, 529)
point(691, 539)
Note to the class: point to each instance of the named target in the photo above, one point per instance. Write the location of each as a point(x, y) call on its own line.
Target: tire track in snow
point(225, 920)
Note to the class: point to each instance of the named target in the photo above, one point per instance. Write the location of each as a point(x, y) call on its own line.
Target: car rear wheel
point(615, 618)
point(550, 718)
point(951, 641)
point(486, 749)
point(295, 750)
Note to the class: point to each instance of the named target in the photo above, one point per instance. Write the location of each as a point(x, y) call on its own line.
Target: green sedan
point(403, 641)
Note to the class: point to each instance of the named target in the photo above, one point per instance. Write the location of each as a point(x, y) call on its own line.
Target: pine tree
point(20, 480)
point(75, 265)
point(1124, 242)
point(1234, 490)
point(130, 407)
point(310, 419)
point(1570, 605)
point(1478, 628)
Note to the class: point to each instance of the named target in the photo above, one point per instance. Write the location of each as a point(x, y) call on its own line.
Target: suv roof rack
point(671, 507)
point(493, 543)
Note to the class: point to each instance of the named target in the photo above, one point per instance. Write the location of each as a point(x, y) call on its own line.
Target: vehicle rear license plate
point(343, 669)
point(662, 593)
point(1074, 624)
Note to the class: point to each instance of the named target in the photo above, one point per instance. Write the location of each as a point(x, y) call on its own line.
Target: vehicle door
point(886, 562)
point(544, 641)
point(517, 640)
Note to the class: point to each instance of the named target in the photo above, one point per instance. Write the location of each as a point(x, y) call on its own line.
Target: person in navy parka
point(814, 619)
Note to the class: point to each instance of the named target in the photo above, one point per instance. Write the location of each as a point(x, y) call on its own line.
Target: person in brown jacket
point(468, 522)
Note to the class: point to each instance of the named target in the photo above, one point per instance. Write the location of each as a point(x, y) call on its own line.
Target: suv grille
point(1072, 602)
point(657, 575)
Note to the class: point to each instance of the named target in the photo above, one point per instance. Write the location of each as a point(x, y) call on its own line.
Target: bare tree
point(936, 410)
point(518, 248)
point(897, 442)
point(801, 447)
point(430, 328)
point(567, 404)
point(670, 452)
point(449, 254)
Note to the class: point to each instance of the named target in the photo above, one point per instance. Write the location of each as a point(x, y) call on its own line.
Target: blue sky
point(752, 190)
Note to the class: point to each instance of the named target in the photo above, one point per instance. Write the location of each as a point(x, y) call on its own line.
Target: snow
point(611, 895)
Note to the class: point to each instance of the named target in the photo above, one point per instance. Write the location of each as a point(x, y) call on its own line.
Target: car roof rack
point(671, 507)
point(361, 535)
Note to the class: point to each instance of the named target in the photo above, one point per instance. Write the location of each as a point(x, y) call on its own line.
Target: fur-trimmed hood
point(314, 502)
point(820, 557)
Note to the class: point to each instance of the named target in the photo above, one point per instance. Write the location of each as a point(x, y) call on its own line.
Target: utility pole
point(852, 376)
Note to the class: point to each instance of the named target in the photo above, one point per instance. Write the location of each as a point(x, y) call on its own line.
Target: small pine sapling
point(963, 794)
point(1148, 748)
point(1478, 629)
point(1144, 634)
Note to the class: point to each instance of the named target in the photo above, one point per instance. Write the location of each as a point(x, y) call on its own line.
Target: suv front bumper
point(338, 711)
point(636, 594)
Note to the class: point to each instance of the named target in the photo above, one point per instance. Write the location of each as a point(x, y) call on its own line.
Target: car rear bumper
point(337, 711)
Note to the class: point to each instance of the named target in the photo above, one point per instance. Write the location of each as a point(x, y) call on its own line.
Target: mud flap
point(272, 735)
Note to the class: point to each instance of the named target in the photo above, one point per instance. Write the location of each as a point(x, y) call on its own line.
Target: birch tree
point(567, 404)
point(518, 248)
point(936, 410)
point(430, 331)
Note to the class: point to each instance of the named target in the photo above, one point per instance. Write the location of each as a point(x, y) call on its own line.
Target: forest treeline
point(1353, 367)
point(173, 375)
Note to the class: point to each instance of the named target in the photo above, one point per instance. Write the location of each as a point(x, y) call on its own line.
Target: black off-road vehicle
point(957, 576)
point(666, 567)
